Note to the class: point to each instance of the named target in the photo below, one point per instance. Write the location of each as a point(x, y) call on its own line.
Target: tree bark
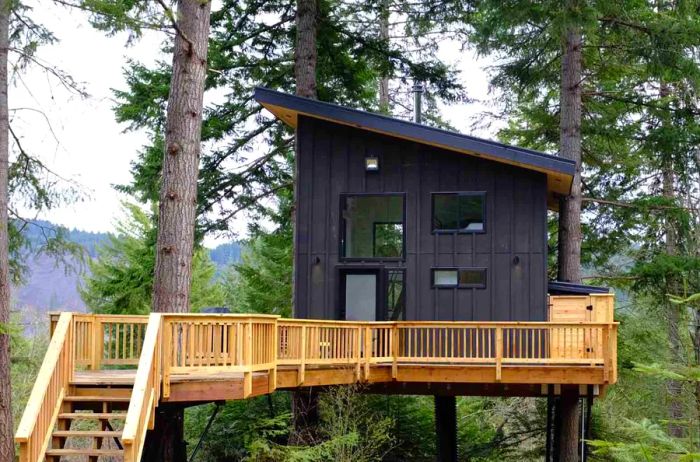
point(306, 53)
point(178, 191)
point(384, 37)
point(304, 403)
point(569, 251)
point(674, 387)
point(178, 198)
point(7, 445)
point(568, 431)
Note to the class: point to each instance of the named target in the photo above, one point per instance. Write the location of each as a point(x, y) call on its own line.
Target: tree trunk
point(569, 251)
point(306, 53)
point(673, 311)
point(568, 432)
point(7, 445)
point(304, 403)
point(178, 191)
point(178, 198)
point(384, 37)
point(166, 441)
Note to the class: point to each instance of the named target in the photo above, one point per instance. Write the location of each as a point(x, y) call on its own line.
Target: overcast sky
point(81, 140)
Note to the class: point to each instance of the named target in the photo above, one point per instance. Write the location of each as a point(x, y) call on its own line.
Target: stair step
point(85, 452)
point(87, 434)
point(97, 399)
point(92, 415)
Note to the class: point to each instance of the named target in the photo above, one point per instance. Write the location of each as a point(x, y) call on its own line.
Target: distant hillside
point(52, 287)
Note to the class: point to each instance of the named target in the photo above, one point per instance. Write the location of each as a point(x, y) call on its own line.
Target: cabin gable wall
point(513, 249)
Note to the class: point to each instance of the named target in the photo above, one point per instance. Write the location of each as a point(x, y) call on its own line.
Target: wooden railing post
point(97, 335)
point(167, 333)
point(499, 352)
point(357, 346)
point(272, 384)
point(302, 364)
point(394, 350)
point(606, 353)
point(248, 361)
point(368, 350)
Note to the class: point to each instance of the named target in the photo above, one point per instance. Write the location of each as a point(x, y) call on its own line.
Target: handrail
point(34, 430)
point(146, 392)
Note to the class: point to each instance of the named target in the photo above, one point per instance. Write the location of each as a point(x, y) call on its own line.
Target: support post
point(568, 422)
point(446, 428)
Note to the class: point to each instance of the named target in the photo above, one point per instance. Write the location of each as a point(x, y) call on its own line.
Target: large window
point(462, 212)
point(373, 227)
point(461, 278)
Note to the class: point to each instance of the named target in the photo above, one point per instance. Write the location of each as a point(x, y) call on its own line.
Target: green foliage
point(262, 282)
point(643, 440)
point(121, 277)
point(350, 430)
point(239, 427)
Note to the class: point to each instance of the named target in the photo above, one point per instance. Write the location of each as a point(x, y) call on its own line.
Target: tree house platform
point(115, 370)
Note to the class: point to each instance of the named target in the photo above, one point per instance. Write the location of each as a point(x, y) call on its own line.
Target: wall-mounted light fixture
point(372, 164)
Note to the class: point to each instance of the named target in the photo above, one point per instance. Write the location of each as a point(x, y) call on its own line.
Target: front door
point(359, 294)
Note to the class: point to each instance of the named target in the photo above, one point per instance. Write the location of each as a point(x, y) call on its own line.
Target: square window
point(462, 212)
point(373, 227)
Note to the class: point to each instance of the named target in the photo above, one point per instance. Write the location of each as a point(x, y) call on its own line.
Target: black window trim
point(457, 269)
point(341, 241)
point(457, 193)
point(382, 273)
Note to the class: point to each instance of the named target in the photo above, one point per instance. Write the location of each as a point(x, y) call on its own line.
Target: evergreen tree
point(120, 280)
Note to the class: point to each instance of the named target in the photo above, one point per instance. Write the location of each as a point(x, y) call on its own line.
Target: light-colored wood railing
point(190, 346)
point(304, 343)
point(206, 343)
point(34, 430)
point(108, 340)
point(146, 393)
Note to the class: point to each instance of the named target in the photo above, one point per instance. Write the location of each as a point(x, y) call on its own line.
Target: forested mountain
point(51, 285)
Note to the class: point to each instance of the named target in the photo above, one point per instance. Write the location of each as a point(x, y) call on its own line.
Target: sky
point(79, 139)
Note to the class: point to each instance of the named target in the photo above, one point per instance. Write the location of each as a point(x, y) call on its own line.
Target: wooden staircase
point(90, 423)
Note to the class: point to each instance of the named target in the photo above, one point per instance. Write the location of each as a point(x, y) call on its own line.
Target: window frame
point(341, 228)
point(482, 194)
point(458, 285)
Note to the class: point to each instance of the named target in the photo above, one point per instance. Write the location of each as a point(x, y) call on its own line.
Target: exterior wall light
point(372, 164)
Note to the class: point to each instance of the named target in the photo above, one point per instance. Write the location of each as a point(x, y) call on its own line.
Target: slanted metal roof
point(288, 107)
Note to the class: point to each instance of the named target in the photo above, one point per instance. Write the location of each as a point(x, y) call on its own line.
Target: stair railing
point(146, 393)
point(34, 431)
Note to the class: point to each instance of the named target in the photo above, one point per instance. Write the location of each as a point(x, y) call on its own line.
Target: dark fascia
point(418, 132)
point(569, 288)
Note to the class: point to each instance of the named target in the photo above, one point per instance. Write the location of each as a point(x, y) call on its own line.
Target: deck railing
point(146, 393)
point(51, 385)
point(170, 346)
point(207, 343)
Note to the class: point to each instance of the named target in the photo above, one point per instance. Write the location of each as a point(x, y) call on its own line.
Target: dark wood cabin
point(400, 221)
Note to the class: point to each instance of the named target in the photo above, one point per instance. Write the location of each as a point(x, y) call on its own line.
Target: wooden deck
point(107, 364)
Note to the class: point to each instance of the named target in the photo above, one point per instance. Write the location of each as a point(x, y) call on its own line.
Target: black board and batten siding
point(513, 248)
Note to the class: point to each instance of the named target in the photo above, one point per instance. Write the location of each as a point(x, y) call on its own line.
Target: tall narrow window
point(460, 212)
point(395, 295)
point(373, 227)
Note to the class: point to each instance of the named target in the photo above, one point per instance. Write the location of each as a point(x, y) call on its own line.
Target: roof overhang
point(559, 171)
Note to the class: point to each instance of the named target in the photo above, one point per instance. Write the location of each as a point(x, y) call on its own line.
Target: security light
point(372, 164)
